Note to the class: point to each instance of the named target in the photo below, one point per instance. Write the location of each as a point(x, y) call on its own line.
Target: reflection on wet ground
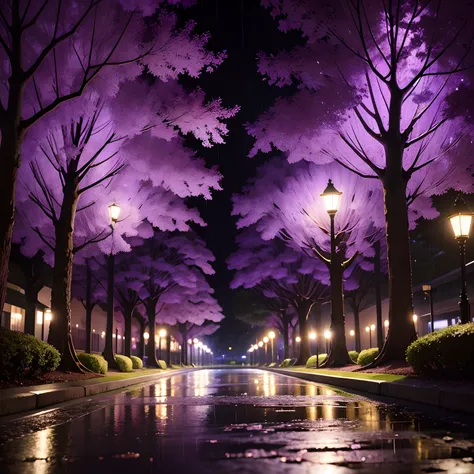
point(229, 421)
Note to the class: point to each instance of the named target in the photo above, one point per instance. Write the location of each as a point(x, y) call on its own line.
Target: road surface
point(234, 421)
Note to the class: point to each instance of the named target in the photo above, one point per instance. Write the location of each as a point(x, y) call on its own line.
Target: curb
point(433, 395)
point(36, 399)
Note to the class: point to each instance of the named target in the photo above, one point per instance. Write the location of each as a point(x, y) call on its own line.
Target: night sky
point(242, 28)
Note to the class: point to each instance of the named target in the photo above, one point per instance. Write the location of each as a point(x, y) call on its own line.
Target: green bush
point(367, 356)
point(162, 364)
point(445, 353)
point(124, 363)
point(22, 355)
point(285, 363)
point(137, 363)
point(354, 355)
point(93, 362)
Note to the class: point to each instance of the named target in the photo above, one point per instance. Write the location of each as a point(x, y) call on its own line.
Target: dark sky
point(242, 28)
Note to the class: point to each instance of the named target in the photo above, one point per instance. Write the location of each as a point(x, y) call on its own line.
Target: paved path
point(234, 421)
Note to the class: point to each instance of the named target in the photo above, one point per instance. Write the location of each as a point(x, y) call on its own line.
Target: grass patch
point(127, 375)
point(352, 375)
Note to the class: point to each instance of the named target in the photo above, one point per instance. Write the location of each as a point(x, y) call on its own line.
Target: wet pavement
point(235, 421)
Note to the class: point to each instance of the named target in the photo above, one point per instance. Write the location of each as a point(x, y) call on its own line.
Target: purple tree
point(168, 268)
point(277, 271)
point(284, 201)
point(381, 89)
point(52, 51)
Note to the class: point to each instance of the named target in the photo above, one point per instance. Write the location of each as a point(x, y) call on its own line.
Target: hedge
point(286, 363)
point(447, 353)
point(124, 363)
point(354, 355)
point(137, 363)
point(22, 355)
point(367, 356)
point(163, 365)
point(311, 362)
point(93, 362)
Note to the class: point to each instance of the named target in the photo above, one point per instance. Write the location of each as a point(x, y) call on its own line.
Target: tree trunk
point(151, 346)
point(303, 312)
point(355, 310)
point(184, 343)
point(60, 327)
point(378, 296)
point(168, 350)
point(286, 346)
point(401, 331)
point(10, 149)
point(31, 296)
point(108, 348)
point(338, 355)
point(141, 341)
point(89, 307)
point(127, 317)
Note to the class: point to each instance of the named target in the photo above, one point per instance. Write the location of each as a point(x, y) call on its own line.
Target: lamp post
point(297, 341)
point(114, 213)
point(327, 336)
point(161, 334)
point(189, 360)
point(428, 291)
point(369, 329)
point(312, 337)
point(265, 341)
point(272, 335)
point(461, 223)
point(332, 198)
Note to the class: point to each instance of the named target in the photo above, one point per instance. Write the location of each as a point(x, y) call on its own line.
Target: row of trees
point(94, 112)
point(385, 92)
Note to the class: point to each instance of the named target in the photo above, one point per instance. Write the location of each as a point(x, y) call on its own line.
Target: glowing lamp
point(114, 213)
point(146, 336)
point(162, 333)
point(426, 288)
point(260, 343)
point(386, 323)
point(251, 349)
point(367, 329)
point(298, 339)
point(255, 346)
point(352, 332)
point(190, 341)
point(271, 335)
point(331, 197)
point(265, 340)
point(48, 316)
point(195, 340)
point(327, 334)
point(372, 327)
point(461, 219)
point(312, 335)
point(415, 318)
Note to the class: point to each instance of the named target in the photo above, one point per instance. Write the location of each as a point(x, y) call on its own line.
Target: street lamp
point(272, 335)
point(327, 336)
point(428, 291)
point(331, 197)
point(352, 333)
point(265, 341)
point(114, 213)
point(161, 334)
point(369, 329)
point(385, 325)
point(461, 223)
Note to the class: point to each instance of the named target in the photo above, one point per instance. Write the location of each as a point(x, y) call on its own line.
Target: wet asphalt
point(236, 421)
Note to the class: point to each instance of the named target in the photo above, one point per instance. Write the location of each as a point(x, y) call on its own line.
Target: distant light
point(327, 334)
point(77, 325)
point(93, 330)
point(271, 334)
point(243, 357)
point(386, 323)
point(352, 332)
point(230, 348)
point(367, 328)
point(298, 339)
point(190, 341)
point(255, 347)
point(133, 339)
point(372, 326)
point(265, 340)
point(113, 335)
point(162, 333)
point(415, 318)
point(195, 340)
point(312, 335)
point(331, 197)
point(260, 343)
point(48, 316)
point(114, 213)
point(426, 287)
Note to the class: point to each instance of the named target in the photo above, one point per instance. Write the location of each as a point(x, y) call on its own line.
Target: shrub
point(162, 364)
point(137, 363)
point(354, 355)
point(285, 363)
point(22, 355)
point(446, 353)
point(124, 363)
point(311, 362)
point(93, 362)
point(367, 356)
